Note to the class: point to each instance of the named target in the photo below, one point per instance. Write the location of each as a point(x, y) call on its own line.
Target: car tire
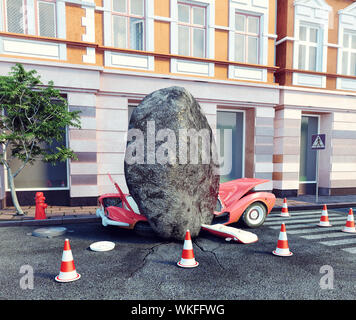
point(144, 229)
point(255, 215)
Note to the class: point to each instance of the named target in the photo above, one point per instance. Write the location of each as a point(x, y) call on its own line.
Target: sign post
point(317, 143)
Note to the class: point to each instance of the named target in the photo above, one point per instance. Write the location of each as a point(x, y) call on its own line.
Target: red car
point(236, 202)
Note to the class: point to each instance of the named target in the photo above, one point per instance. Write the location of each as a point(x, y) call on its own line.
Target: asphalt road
point(146, 269)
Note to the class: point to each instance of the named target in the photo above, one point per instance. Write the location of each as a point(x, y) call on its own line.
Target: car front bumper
point(106, 221)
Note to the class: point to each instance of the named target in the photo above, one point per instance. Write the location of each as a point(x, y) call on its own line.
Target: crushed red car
point(236, 202)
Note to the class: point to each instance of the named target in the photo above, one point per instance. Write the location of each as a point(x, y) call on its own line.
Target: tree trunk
point(15, 201)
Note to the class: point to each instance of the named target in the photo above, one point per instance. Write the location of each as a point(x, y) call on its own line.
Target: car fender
point(126, 216)
point(237, 208)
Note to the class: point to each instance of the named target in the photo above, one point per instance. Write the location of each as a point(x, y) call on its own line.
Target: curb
point(59, 220)
point(316, 206)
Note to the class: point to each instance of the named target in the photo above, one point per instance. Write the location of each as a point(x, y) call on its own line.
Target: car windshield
point(218, 207)
point(132, 204)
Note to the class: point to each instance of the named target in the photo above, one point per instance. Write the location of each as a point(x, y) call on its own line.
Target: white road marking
point(317, 229)
point(350, 250)
point(339, 242)
point(328, 235)
point(287, 221)
point(270, 218)
point(305, 224)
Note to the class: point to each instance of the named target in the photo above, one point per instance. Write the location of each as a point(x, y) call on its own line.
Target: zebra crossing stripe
point(350, 250)
point(294, 213)
point(291, 218)
point(307, 225)
point(316, 219)
point(338, 242)
point(315, 230)
point(326, 235)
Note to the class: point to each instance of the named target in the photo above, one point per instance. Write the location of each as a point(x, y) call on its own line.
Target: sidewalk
point(57, 215)
point(307, 202)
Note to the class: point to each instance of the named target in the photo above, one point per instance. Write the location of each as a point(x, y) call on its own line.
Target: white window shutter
point(15, 16)
point(46, 19)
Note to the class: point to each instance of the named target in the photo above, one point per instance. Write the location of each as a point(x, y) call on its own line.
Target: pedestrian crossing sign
point(318, 141)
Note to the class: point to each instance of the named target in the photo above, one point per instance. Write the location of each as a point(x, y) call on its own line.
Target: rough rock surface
point(174, 192)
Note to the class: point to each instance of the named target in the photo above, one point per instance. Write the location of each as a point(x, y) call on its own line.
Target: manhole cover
point(49, 232)
point(102, 246)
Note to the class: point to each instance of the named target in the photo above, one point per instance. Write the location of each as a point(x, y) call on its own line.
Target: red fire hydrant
point(40, 213)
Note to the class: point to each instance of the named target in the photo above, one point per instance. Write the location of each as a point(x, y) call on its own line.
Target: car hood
point(233, 190)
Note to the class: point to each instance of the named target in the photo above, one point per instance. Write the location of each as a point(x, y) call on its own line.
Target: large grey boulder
point(170, 170)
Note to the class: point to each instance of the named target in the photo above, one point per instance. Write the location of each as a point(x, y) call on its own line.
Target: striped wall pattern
point(83, 172)
point(286, 150)
point(264, 132)
point(112, 125)
point(343, 164)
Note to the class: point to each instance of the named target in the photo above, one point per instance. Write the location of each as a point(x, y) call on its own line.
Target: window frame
point(128, 16)
point(24, 17)
point(308, 45)
point(315, 14)
point(31, 18)
point(246, 35)
point(191, 26)
point(37, 16)
point(67, 164)
point(349, 50)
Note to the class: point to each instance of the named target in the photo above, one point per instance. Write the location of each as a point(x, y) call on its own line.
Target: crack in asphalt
point(210, 251)
point(150, 251)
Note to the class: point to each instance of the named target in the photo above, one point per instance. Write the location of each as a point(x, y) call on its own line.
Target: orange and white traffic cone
point(324, 219)
point(282, 244)
point(284, 212)
point(67, 272)
point(187, 260)
point(350, 223)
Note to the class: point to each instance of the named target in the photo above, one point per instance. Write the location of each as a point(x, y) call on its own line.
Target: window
point(128, 24)
point(231, 149)
point(41, 174)
point(247, 38)
point(46, 18)
point(349, 53)
point(191, 30)
point(15, 16)
point(20, 19)
point(308, 48)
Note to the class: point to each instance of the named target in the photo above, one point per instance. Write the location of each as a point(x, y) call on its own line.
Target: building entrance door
point(307, 164)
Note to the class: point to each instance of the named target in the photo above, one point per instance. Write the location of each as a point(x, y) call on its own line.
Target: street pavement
point(146, 268)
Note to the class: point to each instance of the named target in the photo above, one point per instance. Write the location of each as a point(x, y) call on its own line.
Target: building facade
point(274, 72)
point(316, 56)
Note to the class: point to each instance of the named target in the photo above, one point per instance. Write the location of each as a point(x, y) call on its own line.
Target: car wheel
point(144, 229)
point(254, 216)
